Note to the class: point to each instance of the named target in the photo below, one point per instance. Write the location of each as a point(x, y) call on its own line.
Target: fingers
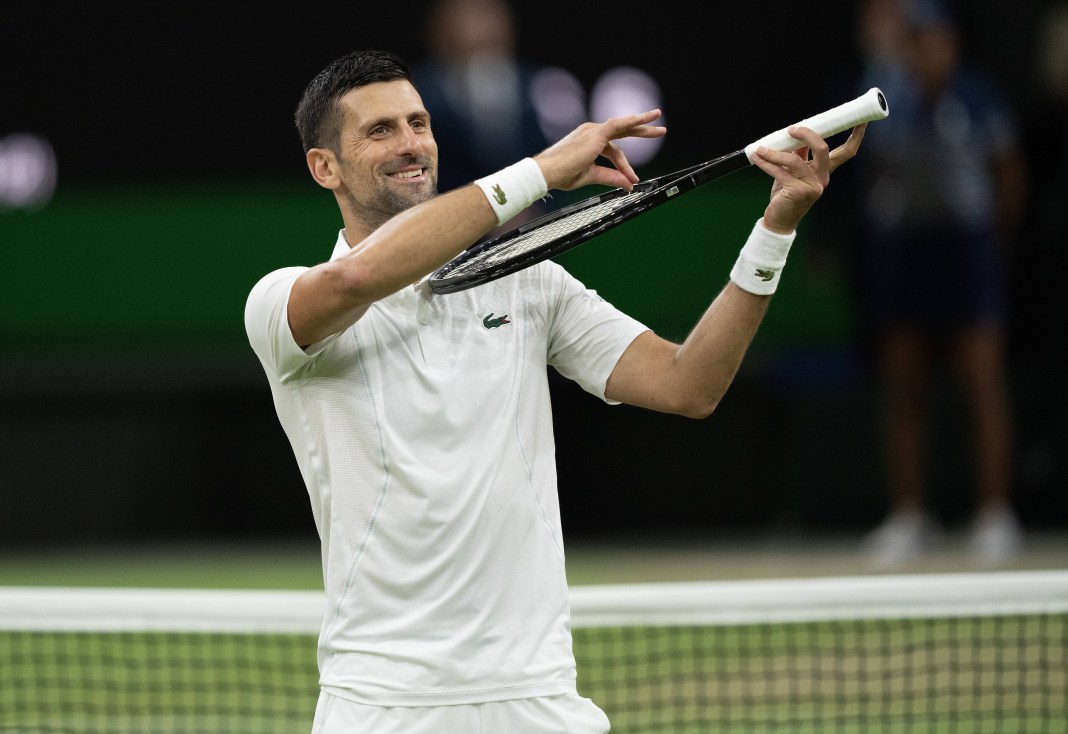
point(782, 175)
point(849, 148)
point(784, 166)
point(615, 154)
point(614, 177)
point(801, 176)
point(571, 161)
point(810, 163)
point(815, 146)
point(629, 126)
point(819, 151)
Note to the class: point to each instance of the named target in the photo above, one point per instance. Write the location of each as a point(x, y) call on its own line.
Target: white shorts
point(567, 713)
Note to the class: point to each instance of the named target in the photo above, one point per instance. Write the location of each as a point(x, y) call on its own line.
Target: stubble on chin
point(388, 203)
point(399, 201)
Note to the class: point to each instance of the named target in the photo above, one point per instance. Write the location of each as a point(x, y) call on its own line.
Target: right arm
point(330, 297)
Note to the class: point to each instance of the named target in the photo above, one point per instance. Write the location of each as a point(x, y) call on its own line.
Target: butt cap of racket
point(871, 105)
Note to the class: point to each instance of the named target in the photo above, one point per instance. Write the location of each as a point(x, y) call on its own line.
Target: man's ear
point(324, 168)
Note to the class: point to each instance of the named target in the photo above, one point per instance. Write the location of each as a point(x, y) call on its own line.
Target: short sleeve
point(267, 326)
point(588, 334)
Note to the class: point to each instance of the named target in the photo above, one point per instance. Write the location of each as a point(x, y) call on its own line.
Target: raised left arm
point(691, 378)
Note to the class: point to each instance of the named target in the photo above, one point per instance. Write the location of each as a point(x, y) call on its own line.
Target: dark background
point(195, 92)
point(131, 406)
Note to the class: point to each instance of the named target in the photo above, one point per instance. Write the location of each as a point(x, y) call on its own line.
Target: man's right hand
point(571, 163)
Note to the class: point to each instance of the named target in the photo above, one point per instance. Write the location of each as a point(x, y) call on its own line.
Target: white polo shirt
point(424, 436)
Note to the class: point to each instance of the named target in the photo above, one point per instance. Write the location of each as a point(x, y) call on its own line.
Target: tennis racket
point(571, 226)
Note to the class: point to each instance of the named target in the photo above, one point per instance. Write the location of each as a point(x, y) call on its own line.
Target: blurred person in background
point(478, 92)
point(941, 199)
point(1050, 133)
point(1053, 62)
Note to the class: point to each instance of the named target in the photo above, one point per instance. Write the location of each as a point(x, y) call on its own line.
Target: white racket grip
point(869, 106)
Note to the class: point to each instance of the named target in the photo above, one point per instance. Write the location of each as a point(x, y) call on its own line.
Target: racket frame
point(653, 192)
point(650, 194)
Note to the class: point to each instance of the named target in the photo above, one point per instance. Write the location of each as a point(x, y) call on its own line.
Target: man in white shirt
point(421, 423)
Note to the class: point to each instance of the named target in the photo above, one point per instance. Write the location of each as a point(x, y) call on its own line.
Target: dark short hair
point(318, 116)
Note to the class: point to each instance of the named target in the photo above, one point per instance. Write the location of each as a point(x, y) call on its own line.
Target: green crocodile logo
point(498, 194)
point(764, 275)
point(492, 323)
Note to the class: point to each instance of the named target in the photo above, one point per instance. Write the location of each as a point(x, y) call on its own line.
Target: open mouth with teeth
point(408, 174)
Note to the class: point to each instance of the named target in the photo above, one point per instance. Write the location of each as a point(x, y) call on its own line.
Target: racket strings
point(535, 238)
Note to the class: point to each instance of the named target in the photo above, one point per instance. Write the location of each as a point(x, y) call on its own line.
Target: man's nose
point(410, 140)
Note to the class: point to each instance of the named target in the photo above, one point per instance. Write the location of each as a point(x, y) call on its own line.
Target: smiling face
point(387, 157)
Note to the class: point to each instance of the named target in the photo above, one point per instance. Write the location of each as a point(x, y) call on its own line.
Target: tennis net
point(939, 653)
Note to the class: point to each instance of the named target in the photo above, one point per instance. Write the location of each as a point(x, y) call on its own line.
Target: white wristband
point(761, 260)
point(512, 189)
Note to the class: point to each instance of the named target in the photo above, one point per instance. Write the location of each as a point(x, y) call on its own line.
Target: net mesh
point(933, 654)
point(973, 675)
point(135, 682)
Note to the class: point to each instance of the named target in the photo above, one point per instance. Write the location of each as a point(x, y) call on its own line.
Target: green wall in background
point(172, 267)
point(151, 266)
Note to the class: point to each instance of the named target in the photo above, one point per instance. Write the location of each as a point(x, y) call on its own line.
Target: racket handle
point(869, 106)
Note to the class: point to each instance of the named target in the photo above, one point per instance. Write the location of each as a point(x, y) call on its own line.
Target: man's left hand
point(801, 175)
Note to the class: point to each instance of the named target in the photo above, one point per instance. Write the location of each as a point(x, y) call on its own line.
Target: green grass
point(280, 565)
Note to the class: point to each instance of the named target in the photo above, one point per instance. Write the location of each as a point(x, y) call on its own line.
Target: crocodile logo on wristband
point(498, 195)
point(764, 275)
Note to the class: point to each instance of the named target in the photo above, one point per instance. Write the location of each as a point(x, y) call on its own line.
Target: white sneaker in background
point(996, 537)
point(903, 537)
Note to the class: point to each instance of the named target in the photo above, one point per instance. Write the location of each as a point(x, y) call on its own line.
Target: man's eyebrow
point(391, 119)
point(384, 120)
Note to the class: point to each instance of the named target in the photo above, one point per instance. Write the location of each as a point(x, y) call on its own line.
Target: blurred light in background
point(560, 101)
point(625, 90)
point(28, 171)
